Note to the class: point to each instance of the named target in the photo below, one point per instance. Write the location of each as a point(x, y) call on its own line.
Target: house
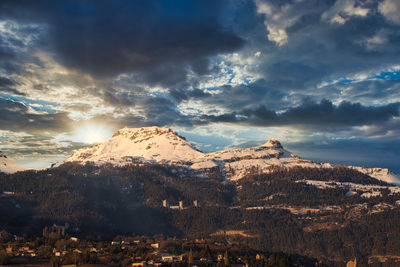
point(155, 245)
point(171, 258)
point(77, 251)
point(150, 263)
point(92, 250)
point(179, 207)
point(165, 203)
point(153, 263)
point(142, 263)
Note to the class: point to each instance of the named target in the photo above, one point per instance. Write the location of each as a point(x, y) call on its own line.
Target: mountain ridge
point(165, 146)
point(7, 165)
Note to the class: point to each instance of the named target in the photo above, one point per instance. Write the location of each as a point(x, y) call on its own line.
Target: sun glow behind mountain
point(91, 133)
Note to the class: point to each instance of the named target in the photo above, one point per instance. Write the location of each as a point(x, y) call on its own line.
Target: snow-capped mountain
point(139, 144)
point(9, 166)
point(162, 145)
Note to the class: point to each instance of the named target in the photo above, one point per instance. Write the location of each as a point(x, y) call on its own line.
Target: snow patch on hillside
point(367, 191)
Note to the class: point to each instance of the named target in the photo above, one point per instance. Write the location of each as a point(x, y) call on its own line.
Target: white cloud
point(277, 19)
point(378, 41)
point(199, 107)
point(233, 69)
point(343, 10)
point(391, 10)
point(278, 35)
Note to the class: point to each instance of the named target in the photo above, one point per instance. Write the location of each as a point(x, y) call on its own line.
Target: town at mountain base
point(332, 214)
point(150, 181)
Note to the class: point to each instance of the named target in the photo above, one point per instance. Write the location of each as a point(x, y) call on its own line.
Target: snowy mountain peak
point(165, 146)
point(9, 166)
point(127, 145)
point(144, 132)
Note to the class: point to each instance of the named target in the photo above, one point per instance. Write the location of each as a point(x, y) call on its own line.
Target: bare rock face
point(274, 143)
point(165, 146)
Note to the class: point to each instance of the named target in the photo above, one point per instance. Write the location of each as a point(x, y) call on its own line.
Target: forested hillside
point(283, 210)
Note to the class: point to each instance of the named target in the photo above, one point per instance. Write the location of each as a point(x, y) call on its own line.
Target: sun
point(91, 133)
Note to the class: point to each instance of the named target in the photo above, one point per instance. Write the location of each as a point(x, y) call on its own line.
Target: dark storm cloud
point(323, 115)
point(116, 99)
point(235, 97)
point(344, 114)
point(6, 85)
point(7, 58)
point(17, 117)
point(106, 38)
point(184, 94)
point(162, 111)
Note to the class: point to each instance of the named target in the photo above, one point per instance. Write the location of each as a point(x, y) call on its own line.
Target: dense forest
point(272, 212)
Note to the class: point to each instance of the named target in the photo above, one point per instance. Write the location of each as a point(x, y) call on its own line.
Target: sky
point(322, 76)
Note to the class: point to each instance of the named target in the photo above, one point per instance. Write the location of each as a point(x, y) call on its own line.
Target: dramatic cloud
point(108, 38)
point(295, 70)
point(343, 10)
point(390, 9)
point(323, 115)
point(17, 117)
point(6, 86)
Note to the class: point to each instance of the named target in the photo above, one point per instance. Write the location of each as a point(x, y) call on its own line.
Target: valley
point(276, 211)
point(333, 213)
